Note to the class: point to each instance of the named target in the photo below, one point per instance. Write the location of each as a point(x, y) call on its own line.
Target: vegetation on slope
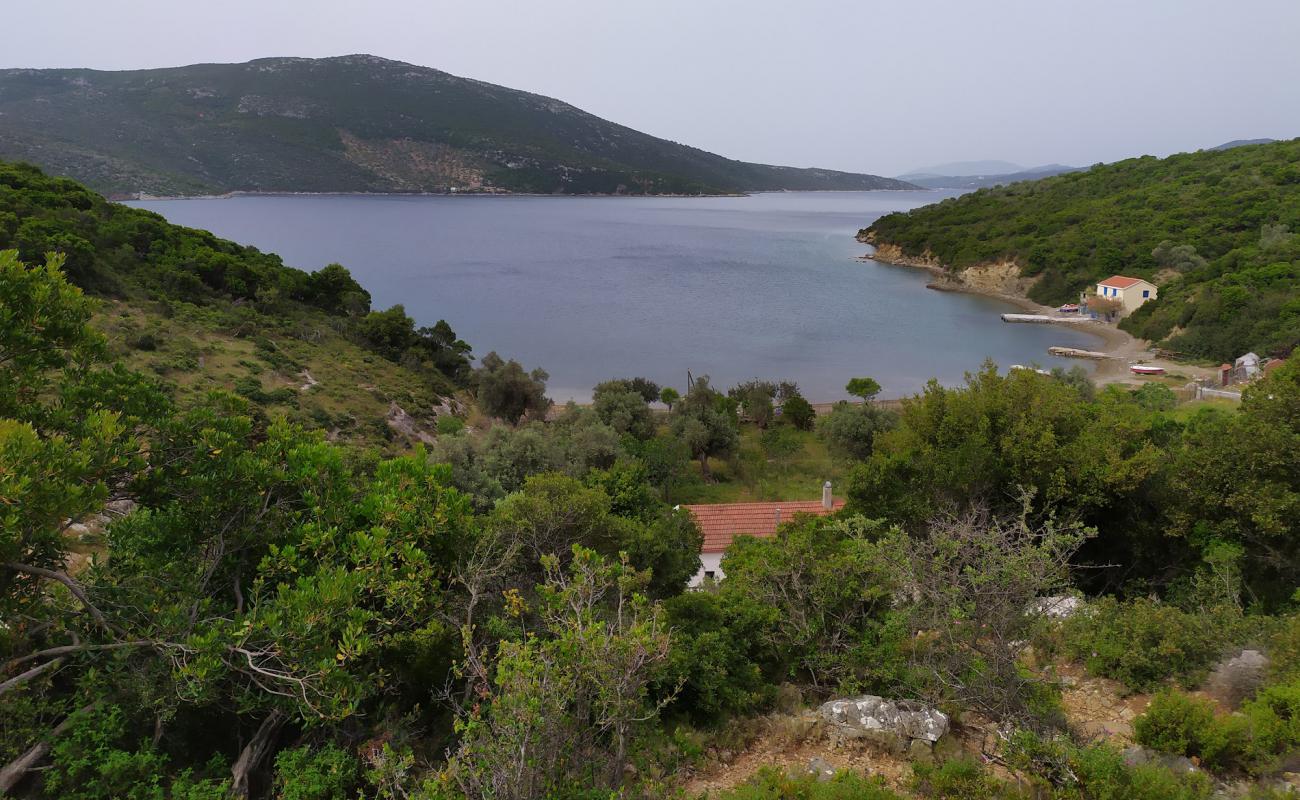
point(505, 616)
point(348, 124)
point(205, 313)
point(1213, 229)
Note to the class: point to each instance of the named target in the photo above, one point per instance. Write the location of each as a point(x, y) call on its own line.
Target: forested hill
point(203, 313)
point(348, 124)
point(1214, 229)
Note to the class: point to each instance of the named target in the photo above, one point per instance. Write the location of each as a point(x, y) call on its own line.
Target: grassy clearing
point(1185, 411)
point(201, 349)
point(793, 469)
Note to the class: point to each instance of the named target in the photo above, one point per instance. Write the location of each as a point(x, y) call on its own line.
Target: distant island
point(962, 180)
point(350, 124)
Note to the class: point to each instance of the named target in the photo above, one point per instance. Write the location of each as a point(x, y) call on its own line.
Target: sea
point(768, 286)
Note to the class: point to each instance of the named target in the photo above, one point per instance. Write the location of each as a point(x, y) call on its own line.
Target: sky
point(865, 86)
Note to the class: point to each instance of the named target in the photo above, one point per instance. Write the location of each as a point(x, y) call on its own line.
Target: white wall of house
point(710, 566)
point(1130, 297)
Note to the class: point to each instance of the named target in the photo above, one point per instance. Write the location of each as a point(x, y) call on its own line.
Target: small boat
point(1143, 369)
point(1069, 308)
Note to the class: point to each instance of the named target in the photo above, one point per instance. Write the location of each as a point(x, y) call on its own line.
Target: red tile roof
point(1120, 282)
point(722, 522)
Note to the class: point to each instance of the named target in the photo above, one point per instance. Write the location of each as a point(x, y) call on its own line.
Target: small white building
point(721, 523)
point(1128, 292)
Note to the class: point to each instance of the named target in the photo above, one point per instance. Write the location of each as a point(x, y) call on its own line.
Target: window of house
point(1146, 292)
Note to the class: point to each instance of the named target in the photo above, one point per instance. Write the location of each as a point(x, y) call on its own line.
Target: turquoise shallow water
point(592, 288)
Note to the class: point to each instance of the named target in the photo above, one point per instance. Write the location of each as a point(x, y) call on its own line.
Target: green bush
point(1143, 643)
point(710, 665)
point(92, 761)
point(1184, 725)
point(798, 412)
point(448, 425)
point(1103, 775)
point(1098, 772)
point(1284, 648)
point(1274, 720)
point(1267, 728)
point(959, 779)
point(326, 773)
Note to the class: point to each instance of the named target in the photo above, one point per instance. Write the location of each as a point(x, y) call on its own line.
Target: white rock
point(870, 714)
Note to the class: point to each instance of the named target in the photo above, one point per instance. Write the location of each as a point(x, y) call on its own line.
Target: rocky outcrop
point(991, 277)
point(894, 724)
point(407, 425)
point(1235, 680)
point(1060, 606)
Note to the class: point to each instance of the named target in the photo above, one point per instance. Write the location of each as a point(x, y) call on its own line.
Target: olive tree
point(505, 390)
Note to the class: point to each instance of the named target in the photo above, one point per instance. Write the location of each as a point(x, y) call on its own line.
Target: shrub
point(1099, 772)
point(325, 773)
point(91, 762)
point(448, 425)
point(1103, 775)
point(1284, 648)
point(1274, 718)
point(1185, 725)
point(850, 431)
point(957, 780)
point(798, 412)
point(1143, 643)
point(709, 665)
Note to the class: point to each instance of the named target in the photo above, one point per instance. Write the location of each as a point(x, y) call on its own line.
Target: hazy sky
point(867, 86)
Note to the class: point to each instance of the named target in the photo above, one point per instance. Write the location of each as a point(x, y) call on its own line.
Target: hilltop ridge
point(357, 123)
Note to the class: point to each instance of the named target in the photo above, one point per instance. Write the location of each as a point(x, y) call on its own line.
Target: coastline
point(141, 197)
point(1122, 348)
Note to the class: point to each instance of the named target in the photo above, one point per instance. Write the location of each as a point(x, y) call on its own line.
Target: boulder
point(894, 724)
point(1136, 755)
point(1060, 606)
point(1236, 679)
point(789, 699)
point(820, 768)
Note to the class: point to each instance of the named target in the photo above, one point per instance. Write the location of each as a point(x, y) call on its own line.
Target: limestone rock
point(1060, 606)
point(406, 425)
point(821, 769)
point(1136, 755)
point(1236, 679)
point(892, 723)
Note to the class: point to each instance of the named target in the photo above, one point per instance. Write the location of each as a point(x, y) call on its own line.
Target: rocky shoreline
point(1002, 280)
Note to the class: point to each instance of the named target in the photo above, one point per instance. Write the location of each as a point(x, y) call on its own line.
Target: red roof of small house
point(722, 522)
point(1120, 282)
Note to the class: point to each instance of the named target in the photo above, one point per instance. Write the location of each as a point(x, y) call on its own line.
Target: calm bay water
point(593, 288)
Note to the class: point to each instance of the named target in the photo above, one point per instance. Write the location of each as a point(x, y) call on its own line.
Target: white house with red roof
point(1128, 292)
point(723, 522)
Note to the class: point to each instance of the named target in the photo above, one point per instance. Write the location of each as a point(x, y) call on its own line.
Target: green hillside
point(348, 124)
point(203, 313)
point(1228, 270)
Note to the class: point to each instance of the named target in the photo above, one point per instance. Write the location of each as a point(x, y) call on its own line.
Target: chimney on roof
point(778, 516)
point(827, 499)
